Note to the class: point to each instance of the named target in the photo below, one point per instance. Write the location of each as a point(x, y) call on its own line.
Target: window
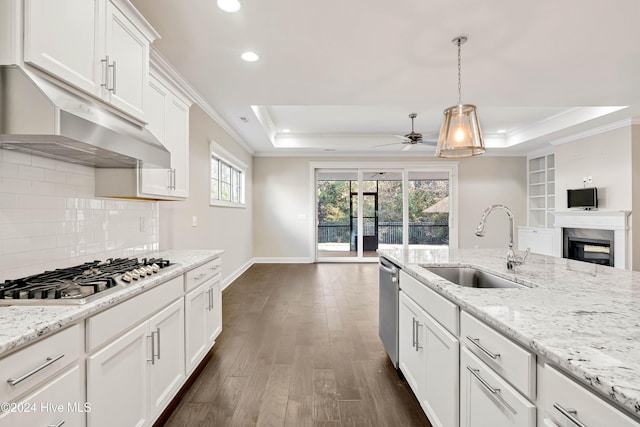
point(227, 178)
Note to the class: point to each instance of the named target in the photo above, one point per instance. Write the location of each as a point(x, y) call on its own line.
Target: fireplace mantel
point(618, 221)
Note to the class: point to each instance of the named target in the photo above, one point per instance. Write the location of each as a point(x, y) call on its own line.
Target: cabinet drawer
point(29, 366)
point(201, 274)
point(562, 393)
point(487, 400)
point(58, 402)
point(438, 307)
point(512, 362)
point(113, 322)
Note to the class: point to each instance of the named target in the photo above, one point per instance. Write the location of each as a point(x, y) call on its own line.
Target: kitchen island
point(579, 317)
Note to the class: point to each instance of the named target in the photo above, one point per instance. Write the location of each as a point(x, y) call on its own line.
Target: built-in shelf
point(541, 191)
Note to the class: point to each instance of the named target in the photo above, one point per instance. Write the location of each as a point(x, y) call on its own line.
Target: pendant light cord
point(459, 74)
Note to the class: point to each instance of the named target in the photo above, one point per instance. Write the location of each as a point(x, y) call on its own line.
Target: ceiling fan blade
point(407, 147)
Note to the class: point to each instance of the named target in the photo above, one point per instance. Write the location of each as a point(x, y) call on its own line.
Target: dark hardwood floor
point(300, 347)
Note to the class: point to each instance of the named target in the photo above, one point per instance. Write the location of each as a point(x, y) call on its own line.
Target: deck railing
point(420, 233)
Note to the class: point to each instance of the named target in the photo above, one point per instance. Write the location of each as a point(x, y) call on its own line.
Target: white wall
point(49, 218)
point(218, 227)
point(635, 191)
point(281, 194)
point(485, 181)
point(607, 158)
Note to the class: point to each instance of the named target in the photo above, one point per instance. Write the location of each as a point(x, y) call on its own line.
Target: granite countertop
point(584, 318)
point(20, 325)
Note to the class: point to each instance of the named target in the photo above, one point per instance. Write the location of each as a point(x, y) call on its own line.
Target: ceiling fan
point(412, 138)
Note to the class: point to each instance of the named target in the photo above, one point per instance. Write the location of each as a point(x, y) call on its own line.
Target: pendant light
point(460, 134)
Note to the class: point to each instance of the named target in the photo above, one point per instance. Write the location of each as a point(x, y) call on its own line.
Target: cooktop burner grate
point(78, 282)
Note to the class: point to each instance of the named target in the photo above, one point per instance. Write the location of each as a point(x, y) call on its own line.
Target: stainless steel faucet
point(513, 259)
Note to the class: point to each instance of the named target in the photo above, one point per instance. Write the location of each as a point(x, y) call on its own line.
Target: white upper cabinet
point(168, 115)
point(70, 52)
point(98, 46)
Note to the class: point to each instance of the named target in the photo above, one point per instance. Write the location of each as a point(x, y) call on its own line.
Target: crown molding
point(595, 131)
point(169, 72)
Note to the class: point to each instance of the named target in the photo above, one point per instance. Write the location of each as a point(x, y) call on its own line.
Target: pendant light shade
point(460, 134)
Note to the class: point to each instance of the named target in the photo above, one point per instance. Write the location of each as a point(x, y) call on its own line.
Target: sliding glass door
point(361, 210)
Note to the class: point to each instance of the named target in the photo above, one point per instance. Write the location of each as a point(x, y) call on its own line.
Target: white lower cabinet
point(538, 240)
point(410, 356)
point(428, 358)
point(60, 402)
point(117, 381)
point(167, 368)
point(486, 400)
point(568, 404)
point(203, 321)
point(139, 372)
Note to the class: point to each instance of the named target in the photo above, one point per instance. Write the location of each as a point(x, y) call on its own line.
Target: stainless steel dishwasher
point(388, 308)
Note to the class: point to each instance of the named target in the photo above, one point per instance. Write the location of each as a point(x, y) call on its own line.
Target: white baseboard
point(283, 260)
point(233, 276)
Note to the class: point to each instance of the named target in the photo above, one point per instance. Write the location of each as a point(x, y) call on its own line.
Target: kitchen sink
point(473, 278)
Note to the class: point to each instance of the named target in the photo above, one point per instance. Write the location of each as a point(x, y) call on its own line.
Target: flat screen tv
point(582, 198)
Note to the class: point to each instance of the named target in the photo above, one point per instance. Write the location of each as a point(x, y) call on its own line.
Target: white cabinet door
point(128, 52)
point(167, 369)
point(440, 397)
point(486, 400)
point(177, 142)
point(196, 340)
point(411, 343)
point(59, 402)
point(117, 381)
point(214, 312)
point(153, 180)
point(61, 37)
point(168, 120)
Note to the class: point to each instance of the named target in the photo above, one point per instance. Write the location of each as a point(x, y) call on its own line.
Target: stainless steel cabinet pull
point(570, 414)
point(413, 332)
point(476, 342)
point(210, 296)
point(60, 424)
point(158, 343)
point(476, 374)
point(174, 178)
point(170, 172)
point(50, 361)
point(113, 77)
point(199, 276)
point(418, 346)
point(153, 344)
point(105, 68)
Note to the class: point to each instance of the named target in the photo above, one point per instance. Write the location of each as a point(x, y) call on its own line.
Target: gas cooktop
point(79, 284)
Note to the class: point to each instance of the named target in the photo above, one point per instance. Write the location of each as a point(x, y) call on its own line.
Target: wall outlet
point(584, 179)
point(194, 221)
point(143, 224)
point(589, 179)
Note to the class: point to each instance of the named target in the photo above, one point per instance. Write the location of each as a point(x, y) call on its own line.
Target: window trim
point(222, 155)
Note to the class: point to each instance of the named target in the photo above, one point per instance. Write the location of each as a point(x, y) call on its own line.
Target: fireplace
point(583, 244)
point(596, 236)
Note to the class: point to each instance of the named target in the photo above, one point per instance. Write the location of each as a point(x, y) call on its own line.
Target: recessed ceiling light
point(502, 131)
point(250, 56)
point(230, 6)
point(286, 130)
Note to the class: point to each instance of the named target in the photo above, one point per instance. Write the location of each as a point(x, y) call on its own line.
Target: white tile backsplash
point(50, 218)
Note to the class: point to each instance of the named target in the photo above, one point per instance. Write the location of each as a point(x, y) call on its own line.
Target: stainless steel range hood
point(39, 117)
